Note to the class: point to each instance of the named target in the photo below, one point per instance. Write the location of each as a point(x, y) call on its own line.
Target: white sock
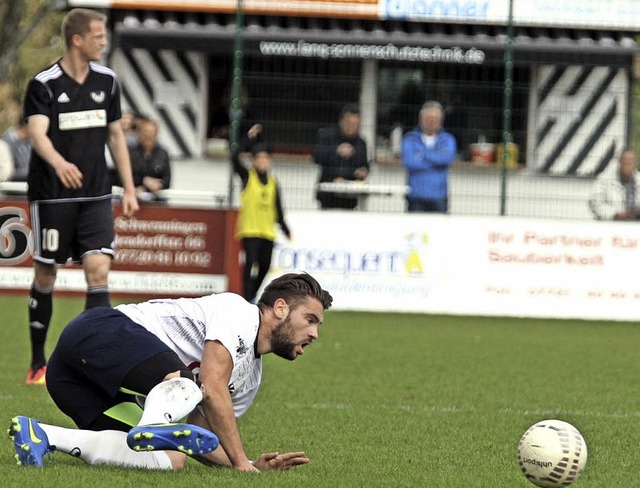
point(170, 401)
point(103, 447)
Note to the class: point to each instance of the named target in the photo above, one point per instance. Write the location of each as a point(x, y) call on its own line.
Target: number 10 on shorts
point(50, 240)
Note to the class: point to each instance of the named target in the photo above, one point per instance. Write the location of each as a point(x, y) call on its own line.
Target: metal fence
point(569, 123)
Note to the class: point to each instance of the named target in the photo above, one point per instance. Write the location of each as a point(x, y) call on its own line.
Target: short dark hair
point(294, 288)
point(350, 108)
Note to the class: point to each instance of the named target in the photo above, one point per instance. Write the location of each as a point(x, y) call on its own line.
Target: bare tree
point(29, 40)
point(18, 19)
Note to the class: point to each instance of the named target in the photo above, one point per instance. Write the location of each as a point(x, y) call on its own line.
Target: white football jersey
point(184, 324)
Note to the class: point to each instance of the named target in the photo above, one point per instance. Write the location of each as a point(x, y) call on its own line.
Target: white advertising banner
point(596, 14)
point(467, 265)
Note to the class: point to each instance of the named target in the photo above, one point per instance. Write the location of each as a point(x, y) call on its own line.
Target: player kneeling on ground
point(108, 360)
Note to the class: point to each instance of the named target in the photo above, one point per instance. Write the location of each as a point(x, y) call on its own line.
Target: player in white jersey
point(194, 357)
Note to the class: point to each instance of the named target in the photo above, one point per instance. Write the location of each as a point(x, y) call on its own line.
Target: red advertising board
point(162, 251)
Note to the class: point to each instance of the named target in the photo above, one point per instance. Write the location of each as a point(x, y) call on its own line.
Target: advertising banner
point(468, 265)
point(595, 14)
point(161, 251)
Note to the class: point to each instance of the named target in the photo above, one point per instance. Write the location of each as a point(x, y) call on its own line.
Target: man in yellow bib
point(260, 210)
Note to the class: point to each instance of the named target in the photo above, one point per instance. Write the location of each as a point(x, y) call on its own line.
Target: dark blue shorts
point(93, 355)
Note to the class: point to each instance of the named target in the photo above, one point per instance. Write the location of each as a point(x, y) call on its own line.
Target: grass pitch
point(390, 400)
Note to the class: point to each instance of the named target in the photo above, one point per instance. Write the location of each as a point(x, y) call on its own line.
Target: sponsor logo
point(536, 462)
point(242, 348)
point(32, 434)
point(82, 120)
point(64, 98)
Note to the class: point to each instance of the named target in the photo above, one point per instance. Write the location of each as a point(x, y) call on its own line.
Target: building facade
point(303, 60)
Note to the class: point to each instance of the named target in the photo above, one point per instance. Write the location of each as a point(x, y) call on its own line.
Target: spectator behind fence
point(17, 139)
point(427, 154)
point(73, 111)
point(260, 210)
point(342, 155)
point(150, 162)
point(616, 192)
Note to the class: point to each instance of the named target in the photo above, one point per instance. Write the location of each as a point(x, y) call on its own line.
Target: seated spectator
point(150, 162)
point(17, 139)
point(616, 193)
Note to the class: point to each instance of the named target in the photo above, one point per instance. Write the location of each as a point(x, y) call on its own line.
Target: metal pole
point(235, 110)
point(506, 111)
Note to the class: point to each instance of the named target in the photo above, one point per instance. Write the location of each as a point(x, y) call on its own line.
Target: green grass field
point(390, 400)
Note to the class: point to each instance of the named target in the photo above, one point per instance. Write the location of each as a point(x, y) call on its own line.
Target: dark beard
point(281, 343)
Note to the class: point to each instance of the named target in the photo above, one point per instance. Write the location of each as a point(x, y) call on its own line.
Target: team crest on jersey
point(242, 348)
point(97, 97)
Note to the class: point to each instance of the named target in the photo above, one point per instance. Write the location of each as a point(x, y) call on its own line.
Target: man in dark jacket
point(342, 155)
point(149, 161)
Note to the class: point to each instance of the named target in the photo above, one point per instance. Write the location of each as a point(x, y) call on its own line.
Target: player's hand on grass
point(276, 461)
point(248, 467)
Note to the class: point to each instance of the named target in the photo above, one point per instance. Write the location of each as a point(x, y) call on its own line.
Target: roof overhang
point(357, 38)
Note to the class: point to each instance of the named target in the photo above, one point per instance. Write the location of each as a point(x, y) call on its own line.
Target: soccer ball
point(552, 453)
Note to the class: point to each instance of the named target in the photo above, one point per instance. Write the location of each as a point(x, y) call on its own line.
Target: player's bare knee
point(170, 376)
point(97, 277)
point(45, 276)
point(181, 373)
point(96, 269)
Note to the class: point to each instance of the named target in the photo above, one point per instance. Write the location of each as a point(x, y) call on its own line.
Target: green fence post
point(506, 111)
point(236, 89)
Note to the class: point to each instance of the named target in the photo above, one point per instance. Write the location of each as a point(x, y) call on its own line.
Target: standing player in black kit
point(73, 110)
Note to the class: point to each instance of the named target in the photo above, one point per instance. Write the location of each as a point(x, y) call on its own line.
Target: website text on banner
point(162, 251)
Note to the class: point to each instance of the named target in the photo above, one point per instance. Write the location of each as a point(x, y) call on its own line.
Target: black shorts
point(71, 229)
point(94, 354)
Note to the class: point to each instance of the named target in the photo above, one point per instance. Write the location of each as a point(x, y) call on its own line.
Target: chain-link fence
point(569, 124)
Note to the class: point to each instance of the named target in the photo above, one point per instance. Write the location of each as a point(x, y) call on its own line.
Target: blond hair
point(78, 22)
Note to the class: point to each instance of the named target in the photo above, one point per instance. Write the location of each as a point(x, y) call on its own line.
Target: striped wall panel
point(170, 87)
point(579, 118)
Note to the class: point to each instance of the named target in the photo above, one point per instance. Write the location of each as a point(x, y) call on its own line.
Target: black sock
point(97, 296)
point(40, 310)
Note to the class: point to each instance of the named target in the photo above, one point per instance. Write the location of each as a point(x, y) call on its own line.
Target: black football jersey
point(78, 119)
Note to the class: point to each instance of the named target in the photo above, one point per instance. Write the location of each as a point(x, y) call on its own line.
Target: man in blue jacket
point(427, 153)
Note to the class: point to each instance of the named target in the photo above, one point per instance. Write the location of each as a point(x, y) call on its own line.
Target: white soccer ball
point(552, 453)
